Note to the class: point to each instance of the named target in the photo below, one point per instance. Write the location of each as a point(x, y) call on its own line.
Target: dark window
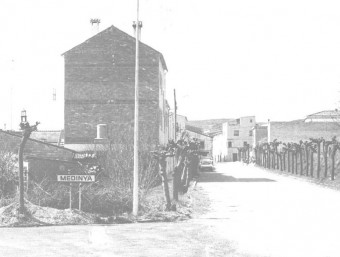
point(236, 133)
point(238, 121)
point(250, 133)
point(230, 144)
point(202, 144)
point(251, 120)
point(245, 143)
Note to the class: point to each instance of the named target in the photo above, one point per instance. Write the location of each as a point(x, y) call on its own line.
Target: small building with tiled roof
point(205, 139)
point(324, 116)
point(44, 160)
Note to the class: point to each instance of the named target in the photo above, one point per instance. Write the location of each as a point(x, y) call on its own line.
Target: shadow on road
point(220, 177)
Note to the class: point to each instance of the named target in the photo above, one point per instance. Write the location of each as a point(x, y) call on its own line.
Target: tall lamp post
point(26, 133)
point(136, 117)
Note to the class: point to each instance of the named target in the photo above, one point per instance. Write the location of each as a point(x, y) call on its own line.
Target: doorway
point(234, 157)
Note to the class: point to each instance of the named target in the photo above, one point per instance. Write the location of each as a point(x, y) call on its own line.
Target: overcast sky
point(273, 59)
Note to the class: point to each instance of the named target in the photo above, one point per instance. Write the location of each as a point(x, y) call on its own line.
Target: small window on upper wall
point(230, 144)
point(238, 121)
point(236, 133)
point(251, 121)
point(250, 133)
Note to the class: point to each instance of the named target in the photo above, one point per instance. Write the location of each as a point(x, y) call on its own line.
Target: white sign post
point(74, 179)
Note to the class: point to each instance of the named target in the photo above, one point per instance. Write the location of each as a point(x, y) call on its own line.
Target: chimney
point(102, 137)
point(134, 25)
point(95, 26)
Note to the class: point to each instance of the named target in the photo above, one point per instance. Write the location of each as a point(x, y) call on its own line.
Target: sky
point(277, 60)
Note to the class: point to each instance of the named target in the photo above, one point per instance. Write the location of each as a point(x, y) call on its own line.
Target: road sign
point(76, 178)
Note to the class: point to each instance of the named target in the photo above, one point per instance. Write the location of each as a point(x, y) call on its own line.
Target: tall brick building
point(99, 89)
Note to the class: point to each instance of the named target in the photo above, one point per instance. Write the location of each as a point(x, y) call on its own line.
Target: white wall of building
point(234, 134)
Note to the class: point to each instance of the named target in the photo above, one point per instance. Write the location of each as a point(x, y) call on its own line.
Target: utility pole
point(176, 172)
point(175, 103)
point(136, 129)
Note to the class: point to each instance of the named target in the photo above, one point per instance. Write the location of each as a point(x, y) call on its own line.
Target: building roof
point(196, 130)
point(49, 136)
point(113, 31)
point(80, 148)
point(330, 114)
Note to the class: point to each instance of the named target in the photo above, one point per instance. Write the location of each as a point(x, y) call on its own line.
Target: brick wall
point(99, 88)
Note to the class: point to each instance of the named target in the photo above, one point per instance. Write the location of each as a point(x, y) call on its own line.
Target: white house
point(235, 133)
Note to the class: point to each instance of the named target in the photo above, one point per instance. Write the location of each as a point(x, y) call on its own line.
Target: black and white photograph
point(177, 128)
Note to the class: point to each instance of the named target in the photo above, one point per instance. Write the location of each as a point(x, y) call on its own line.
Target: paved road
point(252, 213)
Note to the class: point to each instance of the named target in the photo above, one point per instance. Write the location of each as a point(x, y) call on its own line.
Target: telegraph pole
point(176, 173)
point(136, 129)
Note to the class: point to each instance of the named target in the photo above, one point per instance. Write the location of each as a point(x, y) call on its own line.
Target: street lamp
point(26, 132)
point(23, 116)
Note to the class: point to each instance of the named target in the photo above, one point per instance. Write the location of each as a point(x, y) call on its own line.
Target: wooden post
point(70, 196)
point(175, 181)
point(79, 196)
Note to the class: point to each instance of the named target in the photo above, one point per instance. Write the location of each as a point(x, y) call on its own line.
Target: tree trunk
point(284, 161)
point(319, 162)
point(177, 177)
point(296, 163)
point(326, 161)
point(334, 149)
point(288, 160)
point(162, 166)
point(301, 163)
point(312, 164)
point(21, 173)
point(307, 161)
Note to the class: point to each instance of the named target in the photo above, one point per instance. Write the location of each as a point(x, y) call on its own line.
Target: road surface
point(252, 212)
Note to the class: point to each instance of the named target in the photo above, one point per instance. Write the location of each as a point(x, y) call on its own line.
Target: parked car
point(206, 164)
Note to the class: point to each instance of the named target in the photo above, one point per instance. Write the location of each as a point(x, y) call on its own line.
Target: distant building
point(260, 133)
point(181, 124)
point(205, 140)
point(324, 116)
point(235, 133)
point(99, 89)
point(294, 131)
